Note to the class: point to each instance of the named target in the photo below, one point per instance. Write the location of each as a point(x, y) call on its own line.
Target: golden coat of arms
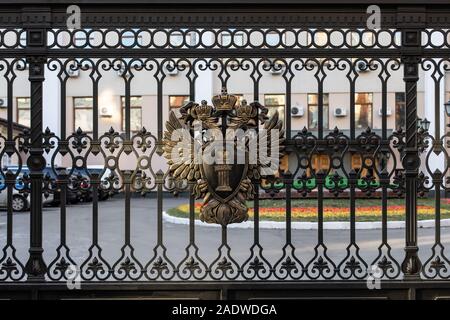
point(222, 149)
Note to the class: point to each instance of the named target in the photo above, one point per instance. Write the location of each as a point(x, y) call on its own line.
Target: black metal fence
point(37, 39)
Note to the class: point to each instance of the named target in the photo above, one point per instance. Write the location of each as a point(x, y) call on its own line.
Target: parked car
point(82, 180)
point(55, 200)
point(20, 198)
point(51, 195)
point(19, 201)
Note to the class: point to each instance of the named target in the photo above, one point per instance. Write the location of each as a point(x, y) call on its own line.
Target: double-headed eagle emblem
point(214, 147)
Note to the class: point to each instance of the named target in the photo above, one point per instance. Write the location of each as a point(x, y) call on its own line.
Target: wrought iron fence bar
point(191, 215)
point(437, 108)
point(288, 209)
point(411, 265)
point(127, 81)
point(288, 76)
point(255, 183)
point(437, 175)
point(128, 177)
point(94, 213)
point(352, 77)
point(95, 77)
point(9, 151)
point(36, 267)
point(352, 183)
point(9, 181)
point(159, 209)
point(384, 172)
point(256, 216)
point(62, 110)
point(63, 215)
point(437, 205)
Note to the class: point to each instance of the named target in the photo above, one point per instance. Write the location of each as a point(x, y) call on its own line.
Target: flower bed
point(334, 210)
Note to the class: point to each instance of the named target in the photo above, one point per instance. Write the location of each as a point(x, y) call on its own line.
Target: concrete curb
point(335, 225)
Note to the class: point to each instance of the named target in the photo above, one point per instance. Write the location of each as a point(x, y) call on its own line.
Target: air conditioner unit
point(105, 112)
point(362, 66)
point(276, 69)
point(297, 111)
point(19, 66)
point(171, 70)
point(3, 102)
point(340, 112)
point(121, 71)
point(388, 112)
point(235, 62)
point(73, 73)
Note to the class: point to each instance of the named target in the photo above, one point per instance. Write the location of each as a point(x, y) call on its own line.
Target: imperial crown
point(224, 101)
point(202, 111)
point(245, 110)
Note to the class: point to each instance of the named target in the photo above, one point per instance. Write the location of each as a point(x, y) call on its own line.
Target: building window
point(284, 163)
point(398, 38)
point(130, 39)
point(361, 38)
point(23, 39)
point(275, 102)
point(238, 39)
point(320, 38)
point(177, 38)
point(363, 110)
point(135, 113)
point(83, 113)
point(23, 111)
point(357, 165)
point(447, 98)
point(400, 105)
point(273, 39)
point(6, 161)
point(81, 39)
point(177, 101)
point(319, 162)
point(317, 38)
point(313, 110)
point(239, 97)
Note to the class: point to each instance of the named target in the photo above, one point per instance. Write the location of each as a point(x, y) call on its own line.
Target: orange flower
point(330, 212)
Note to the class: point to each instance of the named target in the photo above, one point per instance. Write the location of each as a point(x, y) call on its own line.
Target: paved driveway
point(176, 237)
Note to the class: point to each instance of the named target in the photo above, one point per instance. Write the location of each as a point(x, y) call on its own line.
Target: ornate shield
point(224, 179)
point(219, 161)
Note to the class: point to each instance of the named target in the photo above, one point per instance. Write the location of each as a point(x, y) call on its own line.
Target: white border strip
point(335, 225)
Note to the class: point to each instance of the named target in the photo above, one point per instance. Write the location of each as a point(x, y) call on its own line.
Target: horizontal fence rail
point(131, 239)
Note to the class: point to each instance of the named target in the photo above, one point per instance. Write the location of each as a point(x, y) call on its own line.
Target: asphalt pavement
point(176, 237)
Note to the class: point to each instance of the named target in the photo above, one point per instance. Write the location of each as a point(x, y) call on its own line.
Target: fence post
point(411, 23)
point(36, 22)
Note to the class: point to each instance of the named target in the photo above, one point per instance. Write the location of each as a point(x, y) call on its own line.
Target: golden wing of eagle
point(179, 146)
point(265, 146)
